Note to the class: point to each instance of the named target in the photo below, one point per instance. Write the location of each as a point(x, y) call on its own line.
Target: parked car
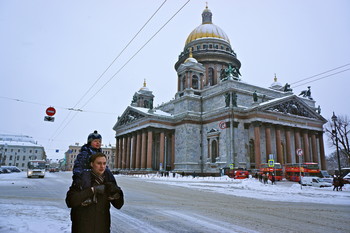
point(314, 181)
point(326, 177)
point(347, 177)
point(12, 168)
point(4, 170)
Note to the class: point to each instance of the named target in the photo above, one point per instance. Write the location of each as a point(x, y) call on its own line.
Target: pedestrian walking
point(335, 183)
point(94, 217)
point(273, 179)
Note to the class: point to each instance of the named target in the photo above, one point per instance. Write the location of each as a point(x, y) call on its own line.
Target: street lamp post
point(334, 119)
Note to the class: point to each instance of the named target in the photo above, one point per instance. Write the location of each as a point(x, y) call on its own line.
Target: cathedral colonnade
point(148, 149)
point(283, 141)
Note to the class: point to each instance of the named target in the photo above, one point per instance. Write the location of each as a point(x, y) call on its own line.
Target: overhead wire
point(322, 78)
point(313, 76)
point(58, 107)
point(121, 52)
point(103, 73)
point(56, 135)
point(121, 68)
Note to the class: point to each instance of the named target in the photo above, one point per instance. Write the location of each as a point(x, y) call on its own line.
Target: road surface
point(158, 207)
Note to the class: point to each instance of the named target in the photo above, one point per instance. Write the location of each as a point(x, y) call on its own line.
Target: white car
point(347, 177)
point(314, 181)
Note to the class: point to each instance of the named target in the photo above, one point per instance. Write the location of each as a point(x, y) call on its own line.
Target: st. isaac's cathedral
point(216, 120)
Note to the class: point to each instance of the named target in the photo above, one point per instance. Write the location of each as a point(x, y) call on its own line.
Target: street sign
point(231, 165)
point(299, 152)
point(49, 118)
point(222, 124)
point(50, 111)
point(271, 162)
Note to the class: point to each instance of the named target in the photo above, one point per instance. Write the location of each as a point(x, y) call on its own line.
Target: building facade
point(73, 151)
point(17, 150)
point(216, 120)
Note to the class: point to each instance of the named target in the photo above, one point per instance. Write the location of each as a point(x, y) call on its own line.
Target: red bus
point(292, 171)
point(236, 173)
point(276, 170)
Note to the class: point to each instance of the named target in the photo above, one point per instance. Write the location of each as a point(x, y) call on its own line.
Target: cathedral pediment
point(291, 105)
point(130, 115)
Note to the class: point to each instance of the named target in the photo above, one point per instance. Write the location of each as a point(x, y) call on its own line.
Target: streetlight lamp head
point(334, 117)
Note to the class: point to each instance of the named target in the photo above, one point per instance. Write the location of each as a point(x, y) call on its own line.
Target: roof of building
point(207, 29)
point(17, 140)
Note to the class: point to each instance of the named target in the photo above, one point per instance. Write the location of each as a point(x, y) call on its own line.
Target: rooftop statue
point(255, 96)
point(287, 88)
point(230, 73)
point(306, 93)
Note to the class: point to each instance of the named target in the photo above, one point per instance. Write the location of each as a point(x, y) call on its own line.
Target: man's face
point(99, 165)
point(96, 143)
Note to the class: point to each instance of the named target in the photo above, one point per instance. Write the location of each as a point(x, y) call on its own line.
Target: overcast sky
point(52, 52)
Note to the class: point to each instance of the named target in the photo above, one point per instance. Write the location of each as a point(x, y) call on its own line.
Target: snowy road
point(154, 204)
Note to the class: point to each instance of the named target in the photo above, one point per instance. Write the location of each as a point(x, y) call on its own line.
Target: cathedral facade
point(216, 120)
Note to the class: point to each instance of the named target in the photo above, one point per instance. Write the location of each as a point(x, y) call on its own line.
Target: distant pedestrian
point(265, 178)
point(341, 183)
point(335, 183)
point(273, 179)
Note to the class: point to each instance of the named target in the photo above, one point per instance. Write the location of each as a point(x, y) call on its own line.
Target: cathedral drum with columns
point(216, 121)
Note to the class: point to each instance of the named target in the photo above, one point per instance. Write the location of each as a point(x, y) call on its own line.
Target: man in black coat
point(94, 216)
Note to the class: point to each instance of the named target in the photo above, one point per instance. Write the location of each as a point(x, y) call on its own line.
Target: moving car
point(314, 181)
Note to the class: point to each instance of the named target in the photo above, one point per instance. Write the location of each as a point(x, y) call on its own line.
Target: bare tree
point(332, 161)
point(342, 131)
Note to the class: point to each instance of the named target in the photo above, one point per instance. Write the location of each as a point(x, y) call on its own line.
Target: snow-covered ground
point(282, 191)
point(36, 216)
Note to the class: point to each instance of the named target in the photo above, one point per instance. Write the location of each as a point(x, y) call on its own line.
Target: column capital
point(268, 125)
point(256, 123)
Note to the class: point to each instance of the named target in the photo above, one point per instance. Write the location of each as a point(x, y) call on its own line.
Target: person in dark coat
point(335, 183)
point(81, 177)
point(273, 179)
point(94, 217)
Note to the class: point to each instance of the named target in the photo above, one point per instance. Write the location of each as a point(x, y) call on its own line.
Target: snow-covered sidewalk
point(252, 188)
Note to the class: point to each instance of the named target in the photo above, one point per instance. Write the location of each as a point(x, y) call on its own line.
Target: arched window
point(195, 82)
point(211, 78)
point(214, 151)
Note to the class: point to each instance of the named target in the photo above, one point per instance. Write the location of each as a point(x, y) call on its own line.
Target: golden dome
point(207, 29)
